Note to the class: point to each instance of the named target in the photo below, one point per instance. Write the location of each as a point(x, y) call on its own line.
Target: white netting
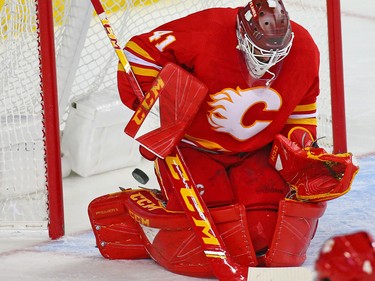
point(23, 196)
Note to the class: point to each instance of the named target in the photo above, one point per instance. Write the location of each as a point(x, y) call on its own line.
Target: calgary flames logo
point(230, 106)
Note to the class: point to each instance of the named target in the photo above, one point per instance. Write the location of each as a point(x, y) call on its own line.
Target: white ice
point(74, 257)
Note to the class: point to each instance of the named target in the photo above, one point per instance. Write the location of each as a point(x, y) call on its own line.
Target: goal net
point(30, 174)
point(86, 66)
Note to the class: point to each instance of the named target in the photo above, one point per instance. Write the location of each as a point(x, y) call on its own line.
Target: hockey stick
point(120, 54)
point(195, 208)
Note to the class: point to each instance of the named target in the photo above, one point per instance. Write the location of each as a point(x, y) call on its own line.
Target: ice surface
point(75, 257)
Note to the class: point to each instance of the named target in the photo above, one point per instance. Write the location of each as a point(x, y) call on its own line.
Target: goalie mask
point(264, 35)
point(346, 258)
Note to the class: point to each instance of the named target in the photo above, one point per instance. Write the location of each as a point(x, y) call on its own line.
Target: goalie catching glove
point(313, 174)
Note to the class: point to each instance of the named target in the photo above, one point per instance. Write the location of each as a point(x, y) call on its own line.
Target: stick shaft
point(200, 218)
point(119, 51)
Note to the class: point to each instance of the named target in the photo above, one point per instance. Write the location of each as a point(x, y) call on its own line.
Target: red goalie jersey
point(239, 114)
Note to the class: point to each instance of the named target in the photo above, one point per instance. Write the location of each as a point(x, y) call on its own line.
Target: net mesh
point(23, 195)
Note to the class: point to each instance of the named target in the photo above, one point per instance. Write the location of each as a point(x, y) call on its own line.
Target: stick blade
point(167, 110)
point(280, 274)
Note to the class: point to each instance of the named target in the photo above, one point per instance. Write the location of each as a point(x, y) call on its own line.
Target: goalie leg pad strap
point(117, 234)
point(172, 243)
point(295, 227)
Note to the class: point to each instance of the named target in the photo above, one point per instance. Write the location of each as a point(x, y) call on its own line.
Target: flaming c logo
point(230, 106)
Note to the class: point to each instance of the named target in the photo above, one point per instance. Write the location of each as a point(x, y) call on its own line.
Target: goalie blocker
point(159, 123)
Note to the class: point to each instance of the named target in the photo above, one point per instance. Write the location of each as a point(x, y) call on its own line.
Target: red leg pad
point(117, 234)
point(295, 227)
point(173, 244)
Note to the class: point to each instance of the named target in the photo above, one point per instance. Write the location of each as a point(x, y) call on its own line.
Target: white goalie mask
point(264, 36)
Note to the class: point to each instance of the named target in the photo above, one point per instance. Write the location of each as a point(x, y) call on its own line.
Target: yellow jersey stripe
point(145, 71)
point(305, 107)
point(138, 50)
point(206, 143)
point(308, 121)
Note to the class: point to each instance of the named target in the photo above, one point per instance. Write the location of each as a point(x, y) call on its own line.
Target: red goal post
point(86, 65)
point(336, 76)
point(56, 226)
